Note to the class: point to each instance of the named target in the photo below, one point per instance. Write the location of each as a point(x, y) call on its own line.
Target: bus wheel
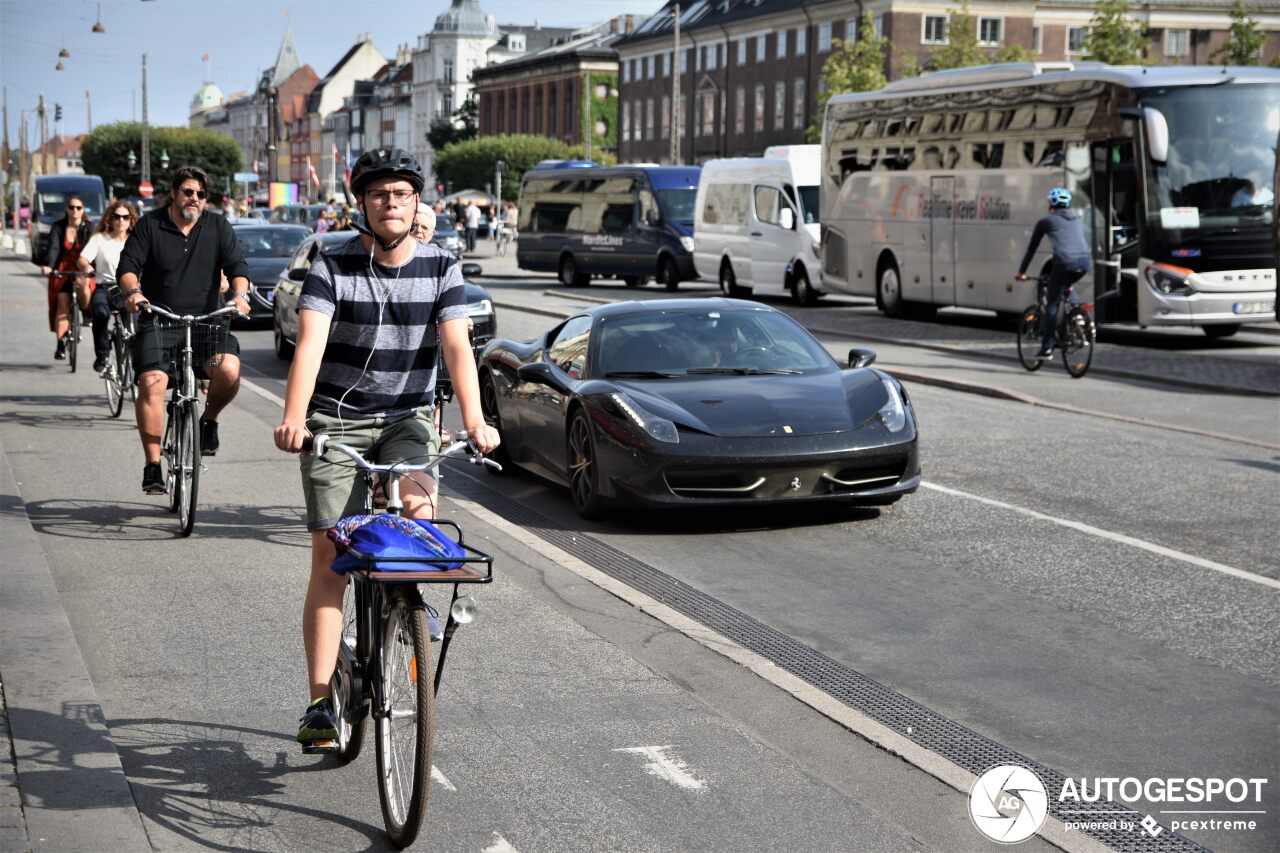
point(801, 290)
point(668, 274)
point(1222, 330)
point(729, 282)
point(889, 292)
point(569, 274)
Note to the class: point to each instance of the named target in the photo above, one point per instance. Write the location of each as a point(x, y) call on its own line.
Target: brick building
point(750, 71)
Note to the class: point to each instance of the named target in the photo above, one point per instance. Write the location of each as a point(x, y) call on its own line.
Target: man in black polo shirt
point(175, 257)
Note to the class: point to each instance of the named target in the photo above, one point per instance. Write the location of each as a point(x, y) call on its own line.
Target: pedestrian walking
point(472, 216)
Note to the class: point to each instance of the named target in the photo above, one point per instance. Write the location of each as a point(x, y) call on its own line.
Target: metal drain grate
point(941, 735)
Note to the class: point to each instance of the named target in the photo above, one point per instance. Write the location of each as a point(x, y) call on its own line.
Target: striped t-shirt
point(380, 360)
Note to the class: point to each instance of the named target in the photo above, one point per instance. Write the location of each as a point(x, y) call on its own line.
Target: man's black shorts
point(158, 345)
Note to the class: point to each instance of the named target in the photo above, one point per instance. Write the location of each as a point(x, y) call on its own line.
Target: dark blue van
point(629, 222)
point(50, 203)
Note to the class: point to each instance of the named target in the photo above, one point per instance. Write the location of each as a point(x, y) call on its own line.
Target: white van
point(756, 223)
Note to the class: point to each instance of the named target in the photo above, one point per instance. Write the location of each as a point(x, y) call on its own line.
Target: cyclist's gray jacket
point(1066, 235)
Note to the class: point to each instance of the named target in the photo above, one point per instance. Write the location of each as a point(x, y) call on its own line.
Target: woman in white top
point(100, 257)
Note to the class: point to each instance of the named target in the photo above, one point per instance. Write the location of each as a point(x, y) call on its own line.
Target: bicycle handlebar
point(318, 444)
point(224, 311)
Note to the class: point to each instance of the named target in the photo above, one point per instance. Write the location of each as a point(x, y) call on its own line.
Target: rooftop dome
point(207, 96)
point(464, 17)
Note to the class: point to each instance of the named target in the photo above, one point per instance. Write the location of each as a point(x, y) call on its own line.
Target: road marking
point(665, 765)
point(442, 780)
point(498, 844)
point(1115, 537)
point(258, 389)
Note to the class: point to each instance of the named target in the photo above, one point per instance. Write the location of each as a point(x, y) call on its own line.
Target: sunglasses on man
point(190, 193)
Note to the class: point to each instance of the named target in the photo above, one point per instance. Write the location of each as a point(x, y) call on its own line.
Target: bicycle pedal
point(320, 747)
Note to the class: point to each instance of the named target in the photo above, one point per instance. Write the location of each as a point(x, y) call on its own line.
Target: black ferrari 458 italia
point(706, 402)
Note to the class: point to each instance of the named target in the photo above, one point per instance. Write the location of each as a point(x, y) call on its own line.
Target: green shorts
point(334, 491)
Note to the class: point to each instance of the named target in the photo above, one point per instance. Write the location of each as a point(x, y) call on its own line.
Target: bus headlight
point(1170, 280)
point(687, 242)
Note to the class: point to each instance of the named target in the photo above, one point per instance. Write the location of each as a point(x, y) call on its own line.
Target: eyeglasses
point(75, 207)
point(381, 197)
point(190, 193)
point(122, 216)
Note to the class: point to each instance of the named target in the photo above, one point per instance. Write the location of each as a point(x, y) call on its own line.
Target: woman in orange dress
point(66, 238)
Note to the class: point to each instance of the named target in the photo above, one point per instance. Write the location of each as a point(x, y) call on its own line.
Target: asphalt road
point(1124, 645)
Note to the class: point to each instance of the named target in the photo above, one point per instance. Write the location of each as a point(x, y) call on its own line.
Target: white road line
point(498, 844)
point(1115, 537)
point(666, 765)
point(442, 780)
point(258, 389)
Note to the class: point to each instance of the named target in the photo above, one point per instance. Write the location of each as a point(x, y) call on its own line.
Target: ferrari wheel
point(489, 408)
point(584, 475)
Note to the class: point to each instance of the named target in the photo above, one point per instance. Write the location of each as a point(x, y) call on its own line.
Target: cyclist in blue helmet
point(1071, 258)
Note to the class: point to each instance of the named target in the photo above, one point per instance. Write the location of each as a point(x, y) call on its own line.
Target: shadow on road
point(81, 519)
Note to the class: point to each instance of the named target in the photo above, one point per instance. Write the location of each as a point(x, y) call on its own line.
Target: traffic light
point(57, 112)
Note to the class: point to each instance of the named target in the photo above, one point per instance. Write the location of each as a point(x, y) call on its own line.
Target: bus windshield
point(1221, 158)
point(677, 204)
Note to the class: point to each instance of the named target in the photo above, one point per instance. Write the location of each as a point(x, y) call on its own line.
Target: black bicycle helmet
point(386, 163)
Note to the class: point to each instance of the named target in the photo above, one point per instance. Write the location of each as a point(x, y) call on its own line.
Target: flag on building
point(311, 170)
point(204, 58)
point(346, 174)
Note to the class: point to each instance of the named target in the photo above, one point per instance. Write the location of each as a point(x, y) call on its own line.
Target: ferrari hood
point(741, 406)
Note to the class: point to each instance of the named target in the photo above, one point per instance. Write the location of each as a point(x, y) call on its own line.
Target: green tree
point(1244, 45)
point(962, 49)
point(470, 163)
point(105, 153)
point(856, 66)
point(464, 124)
point(1013, 53)
point(1114, 37)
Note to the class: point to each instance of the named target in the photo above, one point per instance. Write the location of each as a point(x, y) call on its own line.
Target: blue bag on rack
point(393, 536)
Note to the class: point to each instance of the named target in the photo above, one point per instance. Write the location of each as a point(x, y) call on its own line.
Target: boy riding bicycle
point(369, 318)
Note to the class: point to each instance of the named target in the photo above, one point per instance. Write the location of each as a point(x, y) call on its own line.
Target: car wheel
point(889, 292)
point(569, 273)
point(284, 349)
point(729, 282)
point(668, 274)
point(489, 408)
point(801, 290)
point(584, 468)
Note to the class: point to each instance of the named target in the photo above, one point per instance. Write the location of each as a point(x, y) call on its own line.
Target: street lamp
point(133, 160)
point(164, 160)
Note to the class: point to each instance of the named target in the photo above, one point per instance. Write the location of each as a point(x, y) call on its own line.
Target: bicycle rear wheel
point(188, 466)
point(112, 376)
point(73, 333)
point(1029, 336)
point(1077, 342)
point(171, 450)
point(347, 696)
point(406, 725)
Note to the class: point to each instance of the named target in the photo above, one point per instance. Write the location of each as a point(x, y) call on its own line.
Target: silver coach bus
point(931, 186)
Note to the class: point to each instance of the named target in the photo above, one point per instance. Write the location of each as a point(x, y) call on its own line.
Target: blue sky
point(241, 37)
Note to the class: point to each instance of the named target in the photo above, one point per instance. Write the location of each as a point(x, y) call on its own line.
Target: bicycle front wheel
point(188, 475)
point(73, 333)
point(348, 700)
point(1029, 336)
point(112, 378)
point(1077, 342)
point(406, 723)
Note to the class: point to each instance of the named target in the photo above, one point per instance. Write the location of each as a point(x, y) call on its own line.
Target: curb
point(73, 789)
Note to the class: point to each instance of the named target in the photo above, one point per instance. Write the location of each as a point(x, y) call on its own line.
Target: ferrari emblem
point(795, 484)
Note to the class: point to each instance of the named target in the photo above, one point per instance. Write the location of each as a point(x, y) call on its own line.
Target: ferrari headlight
point(687, 242)
point(659, 428)
point(483, 308)
point(893, 414)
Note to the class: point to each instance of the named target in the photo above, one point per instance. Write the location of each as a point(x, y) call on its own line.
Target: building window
point(652, 64)
point(648, 119)
point(700, 59)
point(740, 110)
point(447, 75)
point(802, 35)
point(760, 48)
point(635, 120)
point(935, 30)
point(684, 62)
point(666, 65)
point(824, 38)
point(1075, 39)
point(666, 116)
point(781, 38)
point(1037, 39)
point(851, 30)
point(797, 105)
point(1175, 42)
point(990, 31)
point(709, 123)
point(713, 56)
point(626, 122)
point(626, 73)
point(742, 51)
point(684, 115)
point(877, 26)
point(779, 106)
point(757, 122)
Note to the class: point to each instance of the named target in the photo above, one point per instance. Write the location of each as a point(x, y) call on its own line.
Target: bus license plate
point(1254, 307)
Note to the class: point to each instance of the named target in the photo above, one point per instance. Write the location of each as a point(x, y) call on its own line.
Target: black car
point(289, 288)
point(267, 249)
point(670, 403)
point(446, 235)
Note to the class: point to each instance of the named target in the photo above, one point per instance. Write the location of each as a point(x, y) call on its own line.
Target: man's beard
point(190, 214)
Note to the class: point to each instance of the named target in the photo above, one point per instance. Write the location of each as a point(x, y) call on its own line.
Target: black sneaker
point(152, 479)
point(100, 365)
point(318, 731)
point(61, 352)
point(208, 438)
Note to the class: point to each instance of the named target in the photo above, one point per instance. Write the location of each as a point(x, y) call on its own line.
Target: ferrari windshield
point(662, 344)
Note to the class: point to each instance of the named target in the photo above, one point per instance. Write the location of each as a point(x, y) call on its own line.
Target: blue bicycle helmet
point(1059, 197)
